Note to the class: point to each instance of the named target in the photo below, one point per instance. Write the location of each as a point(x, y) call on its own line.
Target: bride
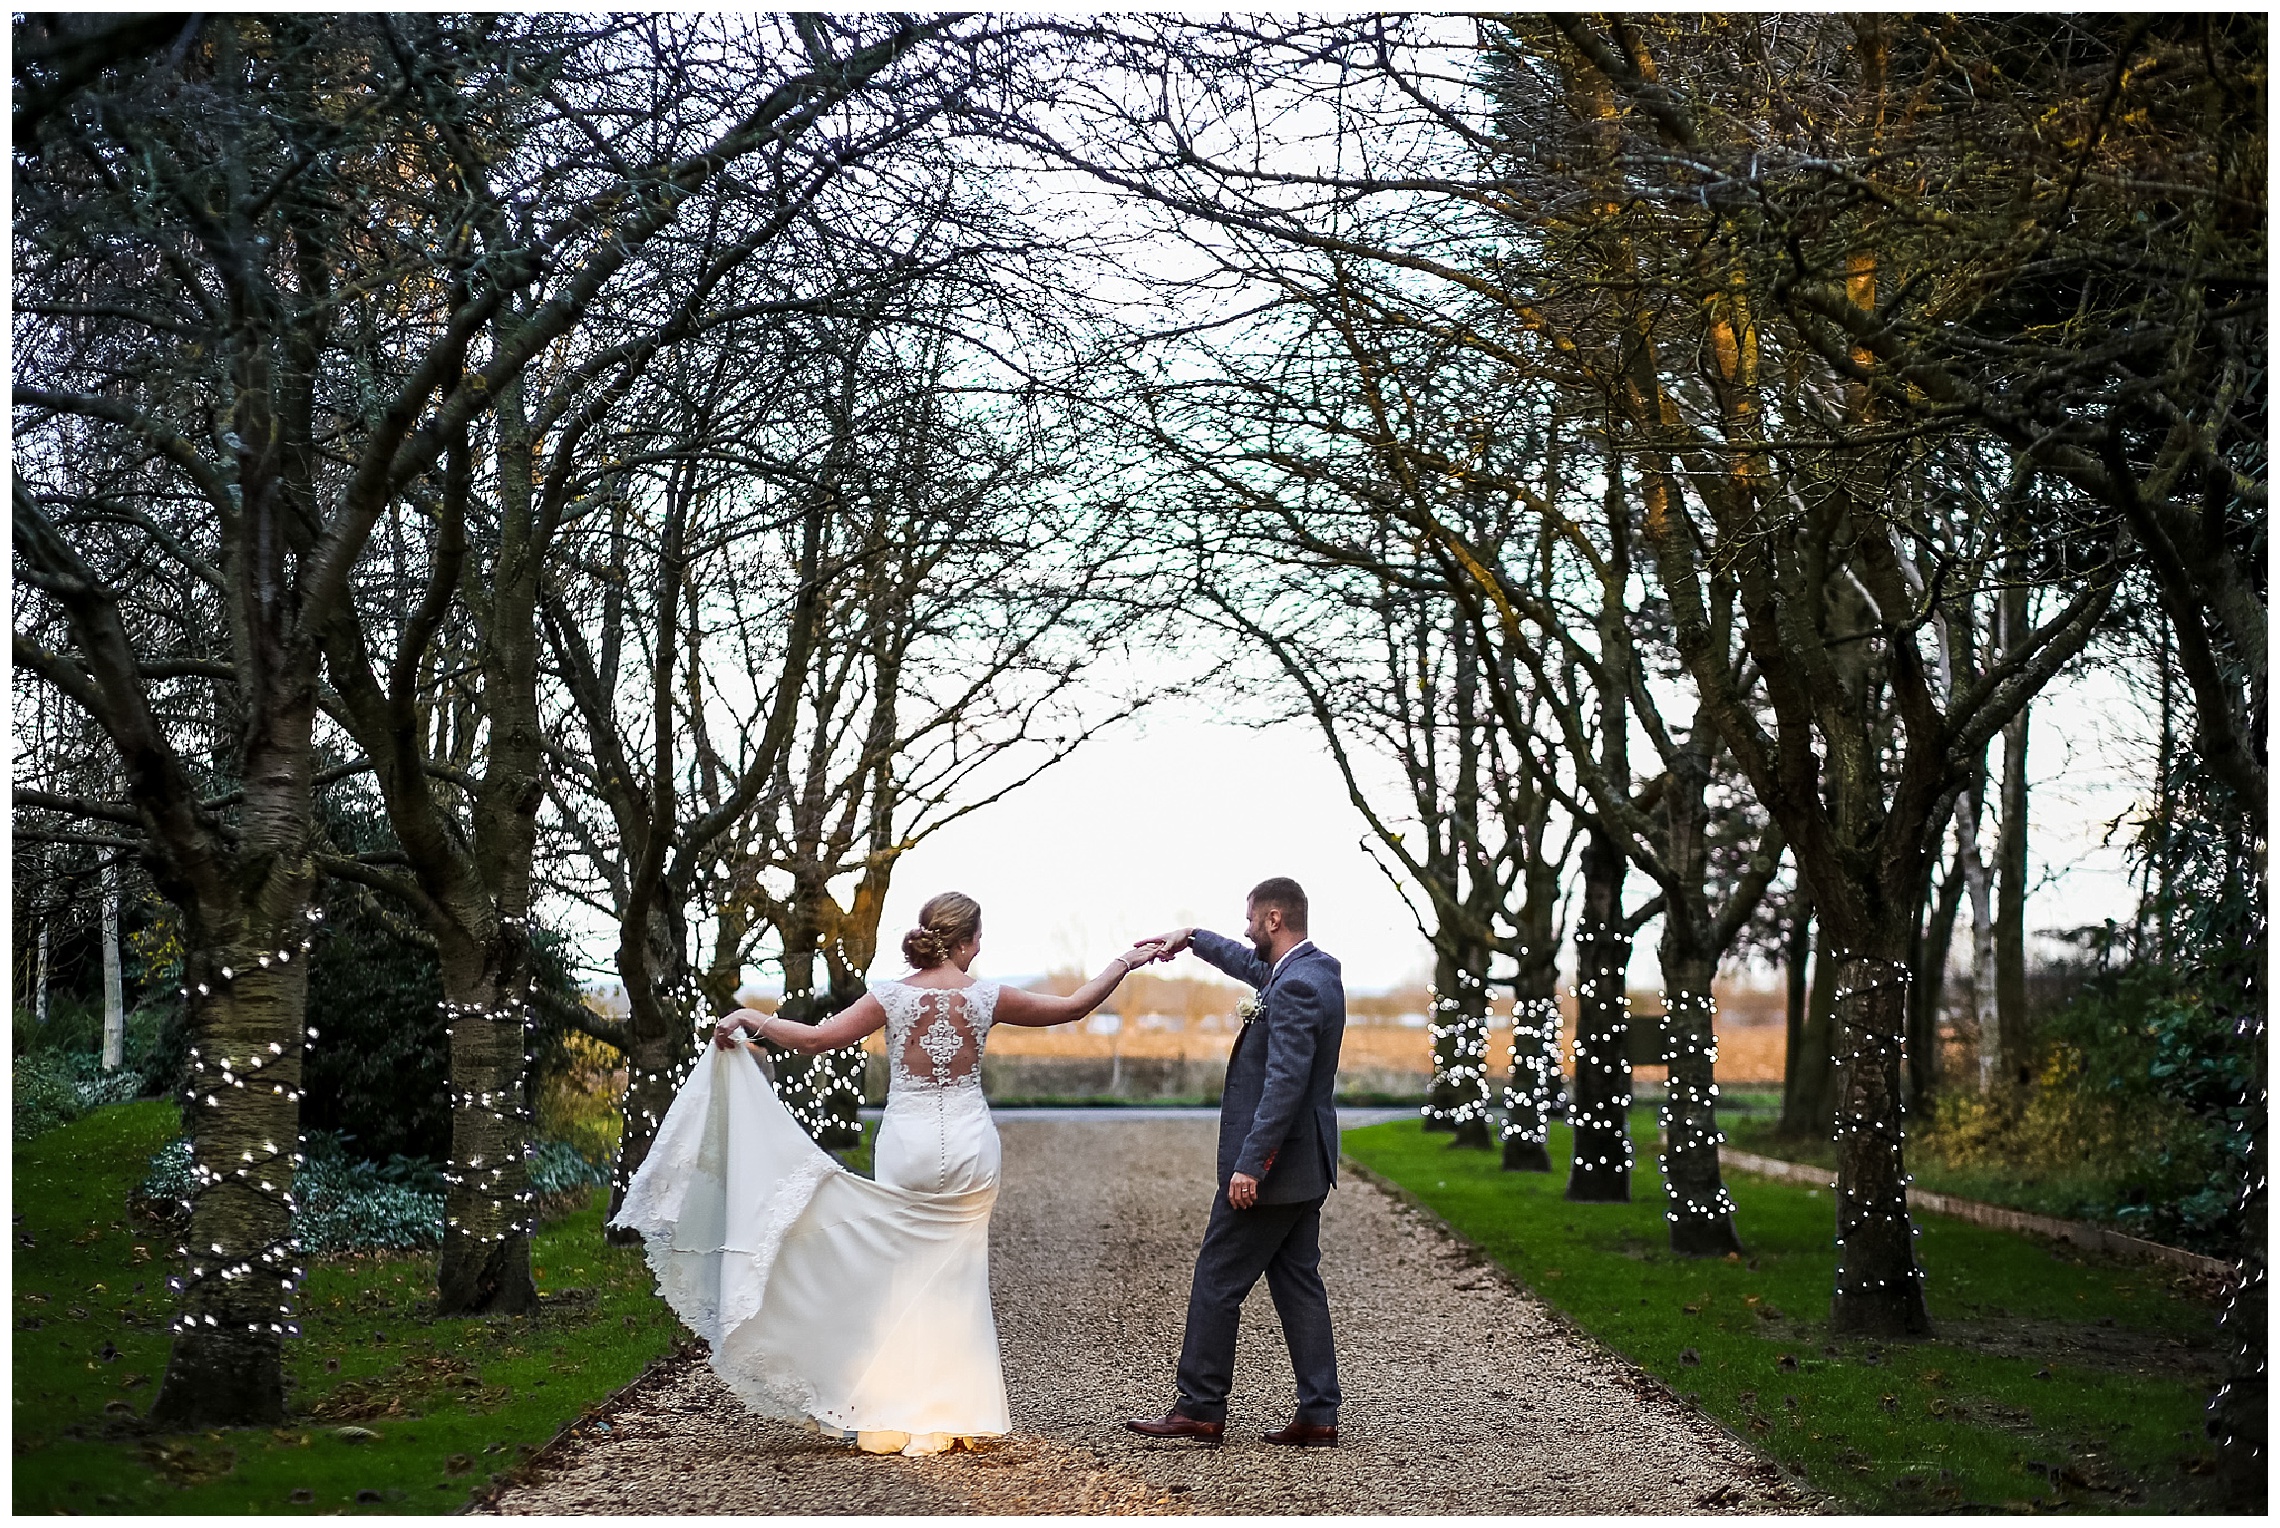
point(860, 1306)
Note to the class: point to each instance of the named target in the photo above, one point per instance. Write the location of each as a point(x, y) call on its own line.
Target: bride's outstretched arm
point(841, 1029)
point(1038, 1009)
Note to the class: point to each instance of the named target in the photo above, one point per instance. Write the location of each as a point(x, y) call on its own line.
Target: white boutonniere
point(1249, 1009)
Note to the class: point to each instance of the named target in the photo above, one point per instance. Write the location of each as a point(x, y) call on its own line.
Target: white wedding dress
point(860, 1305)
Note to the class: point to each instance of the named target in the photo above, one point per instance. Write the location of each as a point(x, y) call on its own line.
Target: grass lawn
point(451, 1402)
point(2056, 1380)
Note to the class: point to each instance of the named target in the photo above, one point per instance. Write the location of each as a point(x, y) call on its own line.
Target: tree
point(1861, 828)
point(617, 172)
point(185, 417)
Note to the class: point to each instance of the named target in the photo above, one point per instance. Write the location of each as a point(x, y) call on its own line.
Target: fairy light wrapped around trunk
point(1700, 1211)
point(824, 1092)
point(656, 1067)
point(1532, 1084)
point(1601, 1169)
point(239, 1264)
point(1880, 1287)
point(490, 1210)
point(1458, 1101)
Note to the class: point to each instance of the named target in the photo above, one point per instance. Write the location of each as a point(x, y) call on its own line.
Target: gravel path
point(1463, 1394)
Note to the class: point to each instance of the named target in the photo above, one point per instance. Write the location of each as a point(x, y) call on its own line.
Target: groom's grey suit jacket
point(1277, 1121)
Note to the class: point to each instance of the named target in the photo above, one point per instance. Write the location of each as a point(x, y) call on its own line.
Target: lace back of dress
point(938, 1034)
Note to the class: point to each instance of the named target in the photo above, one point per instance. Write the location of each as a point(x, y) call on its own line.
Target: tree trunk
point(1799, 954)
point(662, 1043)
point(1978, 887)
point(1601, 1169)
point(824, 1092)
point(1880, 1290)
point(1929, 995)
point(1823, 1042)
point(1459, 1101)
point(114, 979)
point(1532, 1090)
point(1814, 1090)
point(40, 994)
point(489, 1211)
point(2010, 932)
point(242, 1112)
point(246, 989)
point(1701, 1212)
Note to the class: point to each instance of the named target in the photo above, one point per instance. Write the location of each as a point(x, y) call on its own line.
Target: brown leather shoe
point(1173, 1425)
point(1306, 1435)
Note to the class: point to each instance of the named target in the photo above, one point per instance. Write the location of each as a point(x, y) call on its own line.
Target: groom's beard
point(1262, 949)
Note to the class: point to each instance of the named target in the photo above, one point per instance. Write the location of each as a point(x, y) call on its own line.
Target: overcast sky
point(1145, 830)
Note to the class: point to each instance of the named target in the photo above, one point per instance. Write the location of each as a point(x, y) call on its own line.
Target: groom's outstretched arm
point(1233, 956)
point(1292, 1040)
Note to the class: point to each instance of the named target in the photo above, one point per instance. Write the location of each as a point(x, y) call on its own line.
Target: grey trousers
point(1284, 1242)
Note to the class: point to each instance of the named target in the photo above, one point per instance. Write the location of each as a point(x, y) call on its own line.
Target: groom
point(1278, 1157)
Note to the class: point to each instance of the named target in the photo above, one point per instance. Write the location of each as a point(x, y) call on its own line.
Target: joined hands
point(1157, 947)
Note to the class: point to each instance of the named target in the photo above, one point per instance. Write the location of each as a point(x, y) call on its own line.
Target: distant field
point(1201, 1028)
point(1169, 1037)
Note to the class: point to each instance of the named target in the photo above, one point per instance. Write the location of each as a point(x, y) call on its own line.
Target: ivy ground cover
point(436, 1407)
point(2054, 1380)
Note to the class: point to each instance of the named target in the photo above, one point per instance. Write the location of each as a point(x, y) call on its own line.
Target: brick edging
point(2080, 1232)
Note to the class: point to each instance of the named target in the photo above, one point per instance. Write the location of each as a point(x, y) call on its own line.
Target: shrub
point(344, 1204)
point(2136, 1083)
point(169, 1174)
point(379, 1069)
point(123, 1086)
point(557, 1167)
point(43, 1095)
point(72, 1025)
point(576, 1095)
point(53, 1088)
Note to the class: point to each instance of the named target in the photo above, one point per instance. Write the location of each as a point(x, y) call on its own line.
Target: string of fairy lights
point(1532, 1080)
point(822, 1091)
point(650, 1092)
point(210, 1077)
point(504, 1182)
point(1689, 1114)
point(1602, 1112)
point(2245, 1297)
point(1882, 1047)
point(1460, 1093)
point(826, 1090)
point(2241, 1322)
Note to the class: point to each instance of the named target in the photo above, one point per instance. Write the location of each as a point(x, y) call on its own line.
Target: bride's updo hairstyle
point(944, 923)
